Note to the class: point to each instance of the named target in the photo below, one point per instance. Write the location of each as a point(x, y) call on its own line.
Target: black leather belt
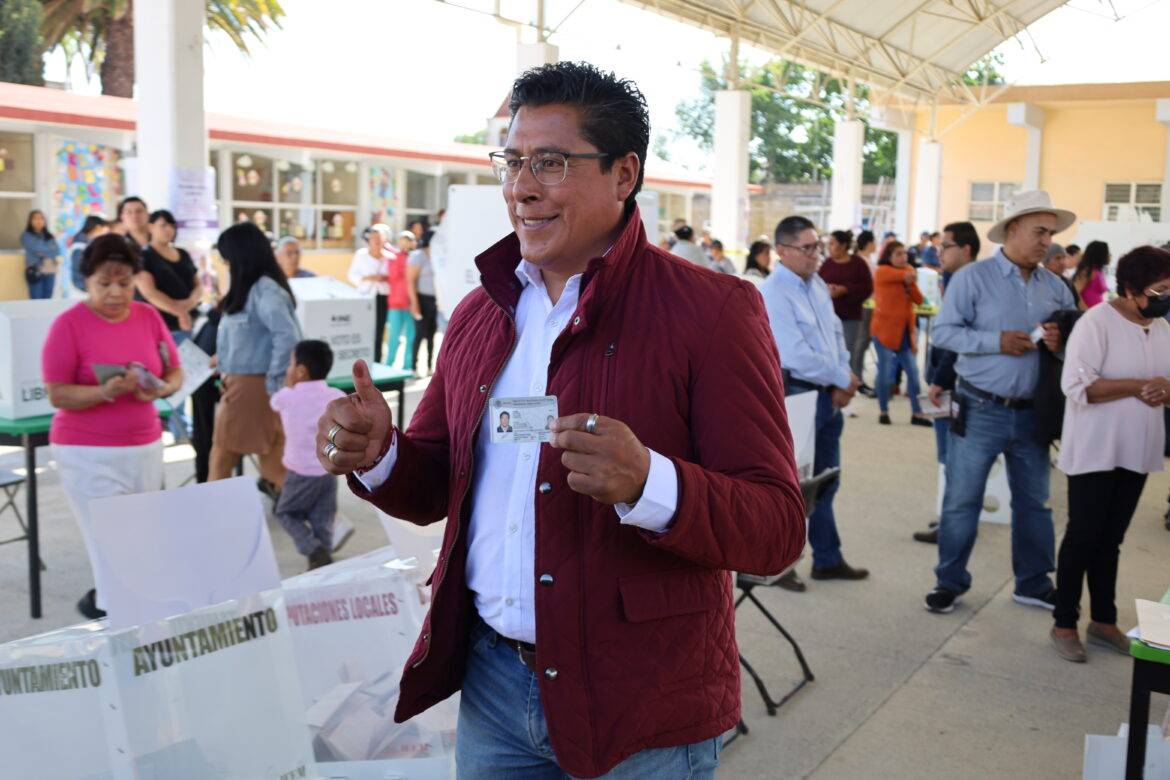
point(999, 400)
point(526, 651)
point(792, 383)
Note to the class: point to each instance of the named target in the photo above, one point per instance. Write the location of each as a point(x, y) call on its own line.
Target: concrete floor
point(899, 692)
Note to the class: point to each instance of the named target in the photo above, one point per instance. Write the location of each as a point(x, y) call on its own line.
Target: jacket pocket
point(647, 597)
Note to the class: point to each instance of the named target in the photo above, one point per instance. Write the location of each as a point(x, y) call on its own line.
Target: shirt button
point(509, 602)
point(550, 673)
point(554, 323)
point(545, 487)
point(512, 528)
point(546, 580)
point(527, 456)
point(483, 388)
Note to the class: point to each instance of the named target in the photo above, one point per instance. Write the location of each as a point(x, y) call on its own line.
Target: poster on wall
point(88, 181)
point(383, 194)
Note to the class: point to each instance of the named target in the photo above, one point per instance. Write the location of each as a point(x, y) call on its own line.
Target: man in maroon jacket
point(582, 600)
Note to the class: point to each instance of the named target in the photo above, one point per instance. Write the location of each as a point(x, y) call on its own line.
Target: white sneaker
point(342, 530)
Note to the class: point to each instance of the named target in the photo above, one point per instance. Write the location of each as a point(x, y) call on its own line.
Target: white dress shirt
point(364, 264)
point(502, 532)
point(808, 333)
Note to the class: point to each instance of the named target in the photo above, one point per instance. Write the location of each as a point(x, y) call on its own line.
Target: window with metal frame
point(1132, 202)
point(988, 199)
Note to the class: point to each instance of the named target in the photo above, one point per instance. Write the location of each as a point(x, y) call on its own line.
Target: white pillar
point(845, 198)
point(729, 196)
point(168, 64)
point(1031, 118)
point(902, 184)
point(223, 174)
point(927, 187)
point(533, 55)
point(1162, 114)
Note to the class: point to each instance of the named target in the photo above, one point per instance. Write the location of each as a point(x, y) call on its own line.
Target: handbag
point(32, 274)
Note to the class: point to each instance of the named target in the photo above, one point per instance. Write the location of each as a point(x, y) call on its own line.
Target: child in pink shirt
point(308, 500)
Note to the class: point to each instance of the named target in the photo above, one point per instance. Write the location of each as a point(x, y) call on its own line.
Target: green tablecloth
point(1139, 649)
point(923, 310)
point(40, 424)
point(379, 372)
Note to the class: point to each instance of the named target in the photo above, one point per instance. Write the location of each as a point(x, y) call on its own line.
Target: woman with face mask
point(1117, 379)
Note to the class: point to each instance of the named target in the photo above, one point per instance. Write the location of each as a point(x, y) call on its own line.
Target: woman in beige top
point(1117, 379)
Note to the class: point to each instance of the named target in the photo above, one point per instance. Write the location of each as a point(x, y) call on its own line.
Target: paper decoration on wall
point(88, 181)
point(383, 194)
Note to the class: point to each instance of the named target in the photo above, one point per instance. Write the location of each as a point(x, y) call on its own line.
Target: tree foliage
point(102, 31)
point(20, 42)
point(791, 139)
point(478, 137)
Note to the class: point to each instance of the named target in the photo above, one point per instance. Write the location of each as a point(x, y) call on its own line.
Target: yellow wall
point(12, 284)
point(1085, 145)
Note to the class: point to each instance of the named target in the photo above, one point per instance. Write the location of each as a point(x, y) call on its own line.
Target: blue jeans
point(887, 359)
point(42, 288)
point(942, 429)
point(179, 422)
point(401, 325)
point(502, 732)
point(991, 430)
point(822, 523)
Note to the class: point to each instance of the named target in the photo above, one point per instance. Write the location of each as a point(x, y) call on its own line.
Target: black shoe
point(884, 418)
point(319, 557)
point(927, 537)
point(268, 489)
point(867, 391)
point(941, 600)
point(87, 606)
point(841, 571)
point(925, 422)
point(1043, 600)
point(791, 581)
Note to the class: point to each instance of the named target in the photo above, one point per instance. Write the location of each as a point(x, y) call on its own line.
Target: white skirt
point(100, 472)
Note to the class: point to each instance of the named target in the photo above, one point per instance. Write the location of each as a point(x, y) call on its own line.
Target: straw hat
point(1024, 203)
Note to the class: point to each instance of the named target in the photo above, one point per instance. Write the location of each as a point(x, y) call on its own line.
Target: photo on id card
point(522, 420)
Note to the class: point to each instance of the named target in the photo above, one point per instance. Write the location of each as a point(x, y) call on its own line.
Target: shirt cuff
point(656, 508)
point(376, 475)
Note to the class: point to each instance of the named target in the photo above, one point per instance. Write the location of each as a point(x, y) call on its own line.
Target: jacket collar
point(499, 264)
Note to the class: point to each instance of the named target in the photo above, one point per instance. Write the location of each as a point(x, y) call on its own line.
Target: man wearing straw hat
point(995, 314)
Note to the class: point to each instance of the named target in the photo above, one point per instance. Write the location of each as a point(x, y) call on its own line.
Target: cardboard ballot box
point(24, 325)
point(353, 625)
point(213, 693)
point(337, 314)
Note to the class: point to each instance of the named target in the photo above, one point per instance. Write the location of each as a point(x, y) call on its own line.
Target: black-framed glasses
point(549, 168)
point(944, 246)
point(811, 250)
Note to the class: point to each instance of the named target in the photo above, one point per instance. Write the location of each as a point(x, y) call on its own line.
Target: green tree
point(985, 71)
point(791, 139)
point(20, 42)
point(478, 137)
point(104, 31)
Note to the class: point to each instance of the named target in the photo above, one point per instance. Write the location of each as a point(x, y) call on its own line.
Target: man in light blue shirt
point(814, 358)
point(995, 315)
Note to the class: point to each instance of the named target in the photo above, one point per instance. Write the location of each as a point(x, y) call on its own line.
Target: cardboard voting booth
point(802, 418)
point(24, 326)
point(337, 314)
point(353, 626)
point(172, 551)
point(213, 693)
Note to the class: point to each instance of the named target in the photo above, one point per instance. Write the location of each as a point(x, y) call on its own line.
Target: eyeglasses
point(945, 246)
point(549, 168)
point(1160, 295)
point(811, 250)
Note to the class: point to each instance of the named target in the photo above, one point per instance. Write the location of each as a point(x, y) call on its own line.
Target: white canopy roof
point(911, 49)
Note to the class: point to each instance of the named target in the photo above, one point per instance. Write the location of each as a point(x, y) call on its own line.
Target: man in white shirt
point(367, 272)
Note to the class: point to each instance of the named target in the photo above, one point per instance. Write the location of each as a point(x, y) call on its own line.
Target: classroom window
point(988, 198)
point(17, 186)
point(1132, 202)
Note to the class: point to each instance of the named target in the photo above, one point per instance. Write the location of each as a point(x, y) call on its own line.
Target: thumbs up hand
point(360, 425)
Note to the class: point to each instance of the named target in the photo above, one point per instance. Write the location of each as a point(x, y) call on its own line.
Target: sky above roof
point(428, 70)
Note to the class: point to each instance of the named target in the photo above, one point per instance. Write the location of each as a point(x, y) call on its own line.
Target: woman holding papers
point(895, 293)
point(1117, 379)
point(105, 361)
point(256, 336)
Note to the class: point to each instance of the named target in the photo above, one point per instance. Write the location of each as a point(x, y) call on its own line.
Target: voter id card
point(522, 420)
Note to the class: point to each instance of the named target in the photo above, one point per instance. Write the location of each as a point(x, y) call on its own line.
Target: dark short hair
point(843, 237)
point(717, 244)
point(965, 234)
point(934, 235)
point(425, 241)
point(92, 222)
point(1142, 267)
point(865, 238)
point(1072, 249)
point(753, 250)
point(887, 255)
point(110, 248)
point(614, 116)
point(130, 199)
point(504, 414)
point(790, 227)
point(314, 355)
point(685, 233)
point(165, 216)
point(45, 234)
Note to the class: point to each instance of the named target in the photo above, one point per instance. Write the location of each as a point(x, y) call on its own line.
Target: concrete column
point(223, 177)
point(902, 184)
point(729, 196)
point(927, 187)
point(1031, 118)
point(168, 62)
point(533, 55)
point(1162, 114)
point(845, 197)
point(363, 213)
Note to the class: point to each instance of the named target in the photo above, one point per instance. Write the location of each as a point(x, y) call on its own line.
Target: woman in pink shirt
point(1089, 278)
point(402, 303)
point(1117, 379)
point(106, 436)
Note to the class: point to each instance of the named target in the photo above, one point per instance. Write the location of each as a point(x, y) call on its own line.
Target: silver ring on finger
point(330, 450)
point(332, 433)
point(591, 424)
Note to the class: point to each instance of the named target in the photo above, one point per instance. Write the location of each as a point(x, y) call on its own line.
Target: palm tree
point(104, 31)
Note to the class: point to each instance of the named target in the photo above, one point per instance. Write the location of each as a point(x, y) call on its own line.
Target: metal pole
point(733, 61)
point(540, 34)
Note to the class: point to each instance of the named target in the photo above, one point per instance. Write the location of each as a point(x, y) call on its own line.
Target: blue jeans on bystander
point(887, 359)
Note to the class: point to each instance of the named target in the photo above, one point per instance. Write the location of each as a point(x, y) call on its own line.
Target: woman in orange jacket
point(895, 293)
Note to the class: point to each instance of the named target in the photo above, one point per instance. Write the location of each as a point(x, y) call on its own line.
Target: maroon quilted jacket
point(639, 628)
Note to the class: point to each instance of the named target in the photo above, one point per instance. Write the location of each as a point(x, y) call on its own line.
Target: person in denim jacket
point(257, 334)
